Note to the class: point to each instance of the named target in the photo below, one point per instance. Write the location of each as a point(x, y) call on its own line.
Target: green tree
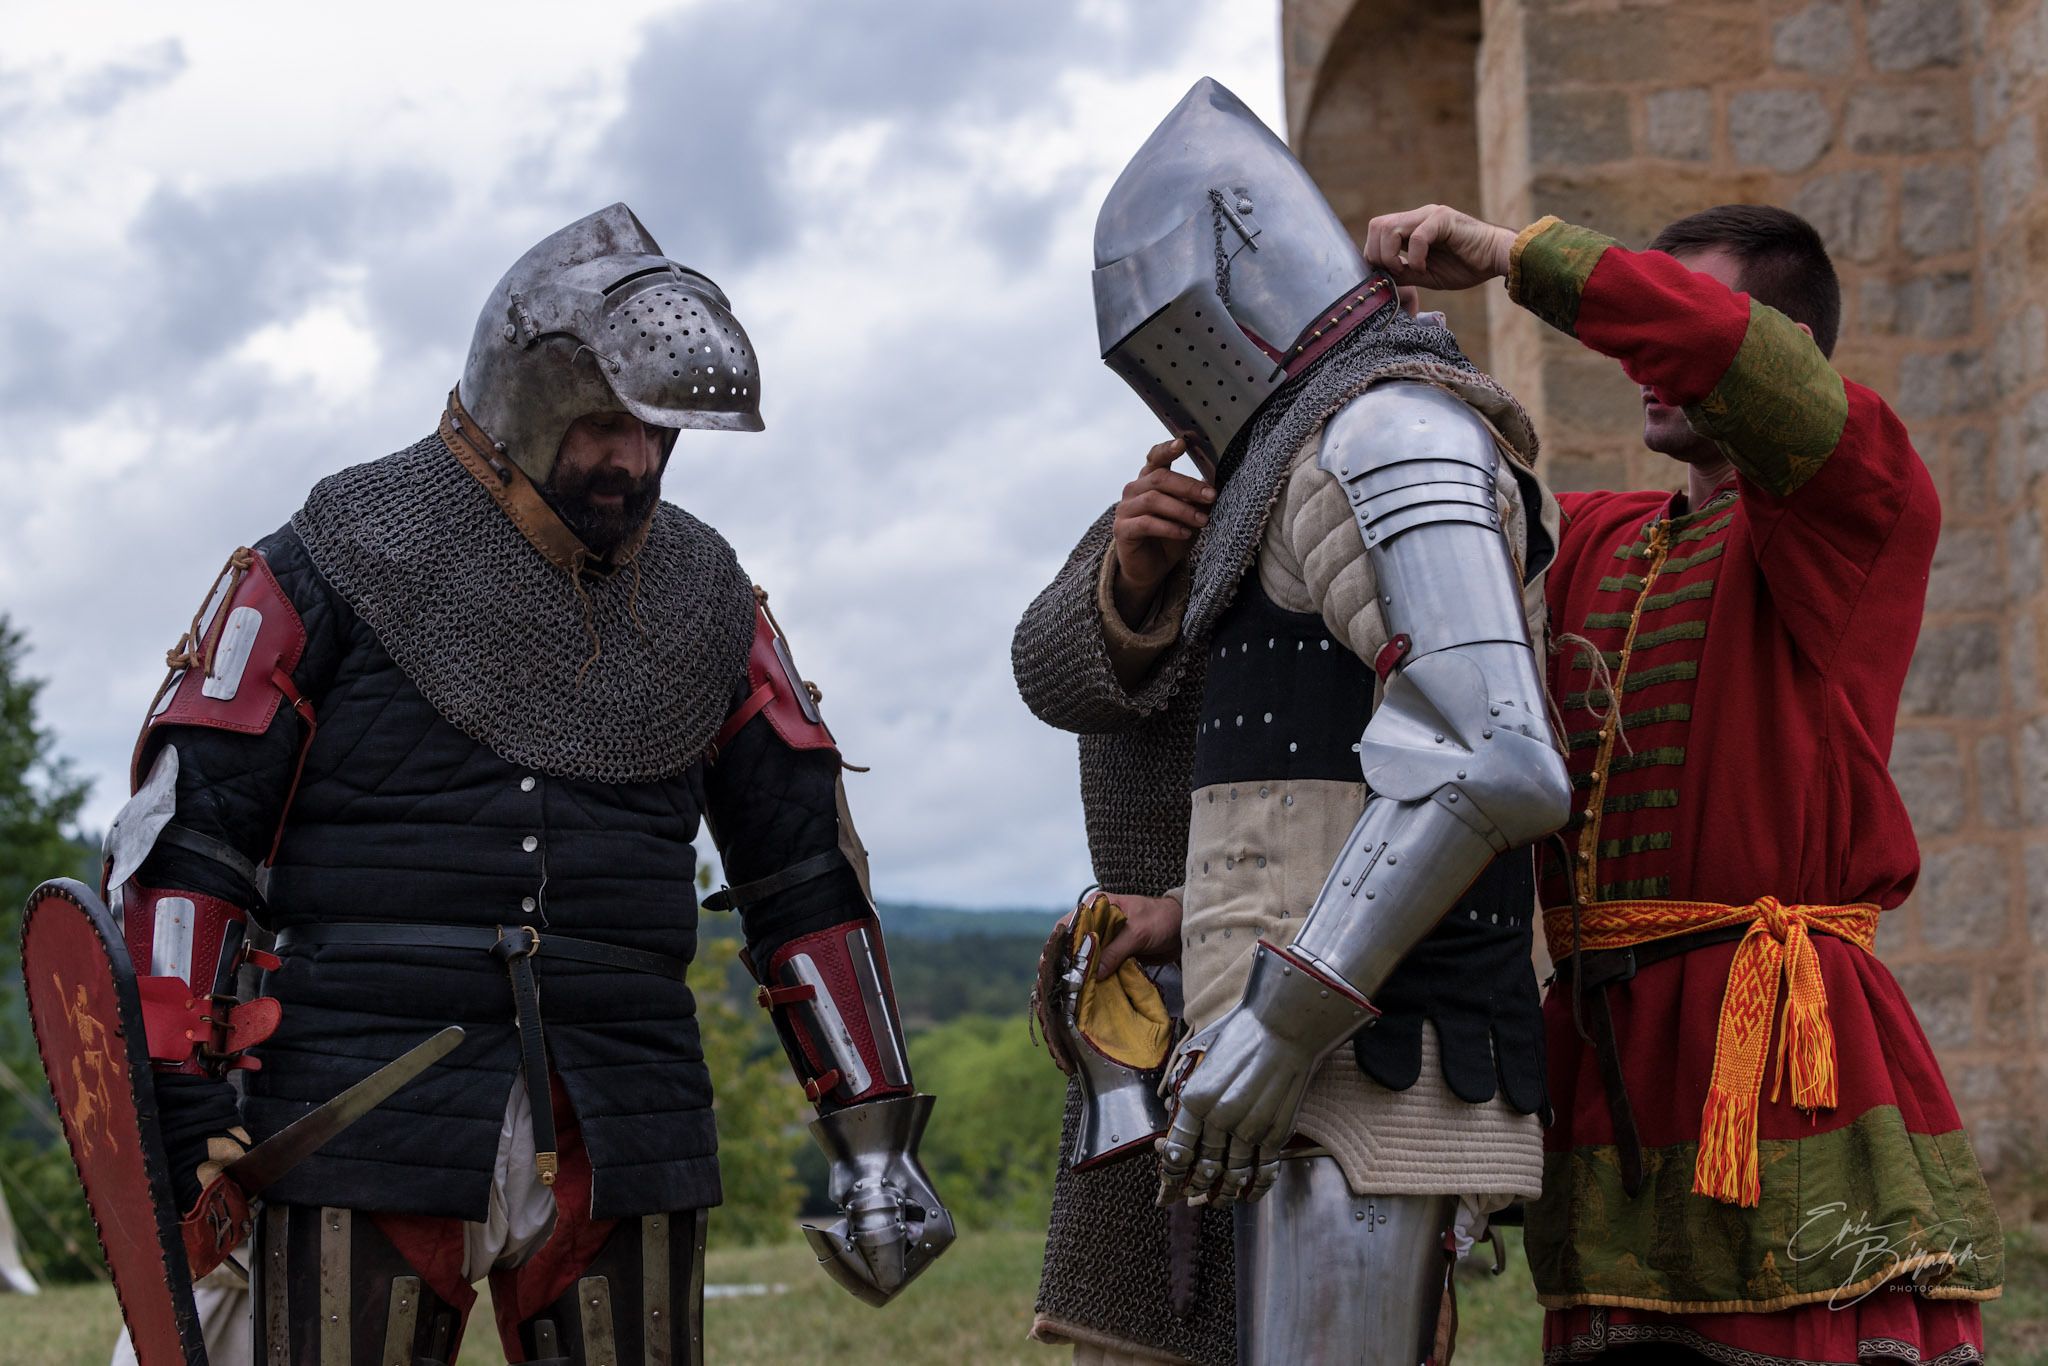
point(994, 1138)
point(760, 1110)
point(39, 802)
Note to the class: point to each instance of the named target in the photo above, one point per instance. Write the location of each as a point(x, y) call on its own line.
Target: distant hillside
point(946, 922)
point(946, 962)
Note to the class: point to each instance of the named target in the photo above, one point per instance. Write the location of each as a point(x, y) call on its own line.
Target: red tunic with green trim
point(1757, 710)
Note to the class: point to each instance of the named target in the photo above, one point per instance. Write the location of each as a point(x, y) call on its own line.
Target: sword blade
point(263, 1164)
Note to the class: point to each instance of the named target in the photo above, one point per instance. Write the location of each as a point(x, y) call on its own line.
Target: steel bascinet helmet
point(1215, 254)
point(594, 318)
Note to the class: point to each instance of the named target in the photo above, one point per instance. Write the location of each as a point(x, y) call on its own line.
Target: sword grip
point(218, 1223)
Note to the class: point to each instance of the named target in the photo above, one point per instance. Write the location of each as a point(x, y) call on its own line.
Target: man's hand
point(1437, 247)
point(1151, 934)
point(1155, 527)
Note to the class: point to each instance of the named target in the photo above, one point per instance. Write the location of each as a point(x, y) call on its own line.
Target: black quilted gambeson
point(401, 817)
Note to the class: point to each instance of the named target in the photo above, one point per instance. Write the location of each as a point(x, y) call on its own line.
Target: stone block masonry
point(1908, 132)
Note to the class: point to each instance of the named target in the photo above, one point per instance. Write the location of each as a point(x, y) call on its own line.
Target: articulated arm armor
point(815, 946)
point(187, 940)
point(1459, 757)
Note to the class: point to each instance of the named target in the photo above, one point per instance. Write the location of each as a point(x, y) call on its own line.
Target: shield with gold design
point(88, 1025)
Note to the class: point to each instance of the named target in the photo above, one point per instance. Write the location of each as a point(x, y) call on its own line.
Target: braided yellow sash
point(1776, 947)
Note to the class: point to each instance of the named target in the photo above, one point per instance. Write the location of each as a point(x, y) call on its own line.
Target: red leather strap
point(1390, 654)
point(748, 710)
point(818, 1086)
point(283, 682)
point(775, 998)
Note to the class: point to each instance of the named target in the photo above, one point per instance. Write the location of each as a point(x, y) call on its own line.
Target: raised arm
point(1843, 514)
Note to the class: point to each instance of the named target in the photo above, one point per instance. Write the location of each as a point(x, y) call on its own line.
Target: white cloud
point(328, 348)
point(259, 258)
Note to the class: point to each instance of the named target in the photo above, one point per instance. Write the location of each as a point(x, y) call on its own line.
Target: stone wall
point(1906, 130)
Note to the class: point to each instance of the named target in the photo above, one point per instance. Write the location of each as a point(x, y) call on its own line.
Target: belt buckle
point(533, 941)
point(1628, 956)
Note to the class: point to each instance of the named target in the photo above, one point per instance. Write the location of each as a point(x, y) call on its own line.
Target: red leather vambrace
point(843, 1032)
point(186, 947)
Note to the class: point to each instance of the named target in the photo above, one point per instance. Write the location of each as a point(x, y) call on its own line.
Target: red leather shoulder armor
point(233, 667)
point(775, 691)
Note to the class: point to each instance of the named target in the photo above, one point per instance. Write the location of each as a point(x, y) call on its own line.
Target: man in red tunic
point(1755, 1156)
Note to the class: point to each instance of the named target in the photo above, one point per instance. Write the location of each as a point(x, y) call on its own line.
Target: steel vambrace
point(1459, 757)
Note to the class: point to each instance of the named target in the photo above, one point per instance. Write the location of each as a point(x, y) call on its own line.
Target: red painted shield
point(88, 1024)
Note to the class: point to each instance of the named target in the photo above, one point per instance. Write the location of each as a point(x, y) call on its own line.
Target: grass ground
point(973, 1306)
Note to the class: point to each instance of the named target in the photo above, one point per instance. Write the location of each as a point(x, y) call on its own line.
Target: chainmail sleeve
point(1061, 660)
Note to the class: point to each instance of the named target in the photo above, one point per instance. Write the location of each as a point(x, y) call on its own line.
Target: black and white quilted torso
point(1284, 702)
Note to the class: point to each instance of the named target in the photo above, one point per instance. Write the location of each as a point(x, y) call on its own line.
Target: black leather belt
point(516, 948)
point(1581, 972)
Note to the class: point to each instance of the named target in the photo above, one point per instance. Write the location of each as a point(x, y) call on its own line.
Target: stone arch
point(1390, 120)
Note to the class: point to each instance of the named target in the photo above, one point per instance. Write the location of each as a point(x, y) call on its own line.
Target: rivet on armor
point(526, 903)
point(1290, 750)
point(1269, 718)
point(1265, 791)
point(526, 783)
point(529, 844)
point(1240, 721)
point(1262, 863)
point(1326, 645)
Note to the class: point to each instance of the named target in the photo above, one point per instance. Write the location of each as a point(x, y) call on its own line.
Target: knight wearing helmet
point(1314, 753)
point(434, 753)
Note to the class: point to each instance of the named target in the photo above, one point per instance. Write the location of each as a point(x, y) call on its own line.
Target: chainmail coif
point(493, 634)
point(1106, 1263)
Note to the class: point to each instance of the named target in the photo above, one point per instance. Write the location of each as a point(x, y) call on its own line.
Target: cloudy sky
point(245, 246)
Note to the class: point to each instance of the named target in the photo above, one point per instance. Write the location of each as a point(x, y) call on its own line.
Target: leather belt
point(1595, 972)
point(516, 948)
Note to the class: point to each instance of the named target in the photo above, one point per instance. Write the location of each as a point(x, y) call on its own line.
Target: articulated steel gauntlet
point(1459, 758)
point(837, 1009)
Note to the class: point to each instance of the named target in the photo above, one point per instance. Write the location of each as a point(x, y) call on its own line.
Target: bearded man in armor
point(447, 735)
point(1314, 751)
